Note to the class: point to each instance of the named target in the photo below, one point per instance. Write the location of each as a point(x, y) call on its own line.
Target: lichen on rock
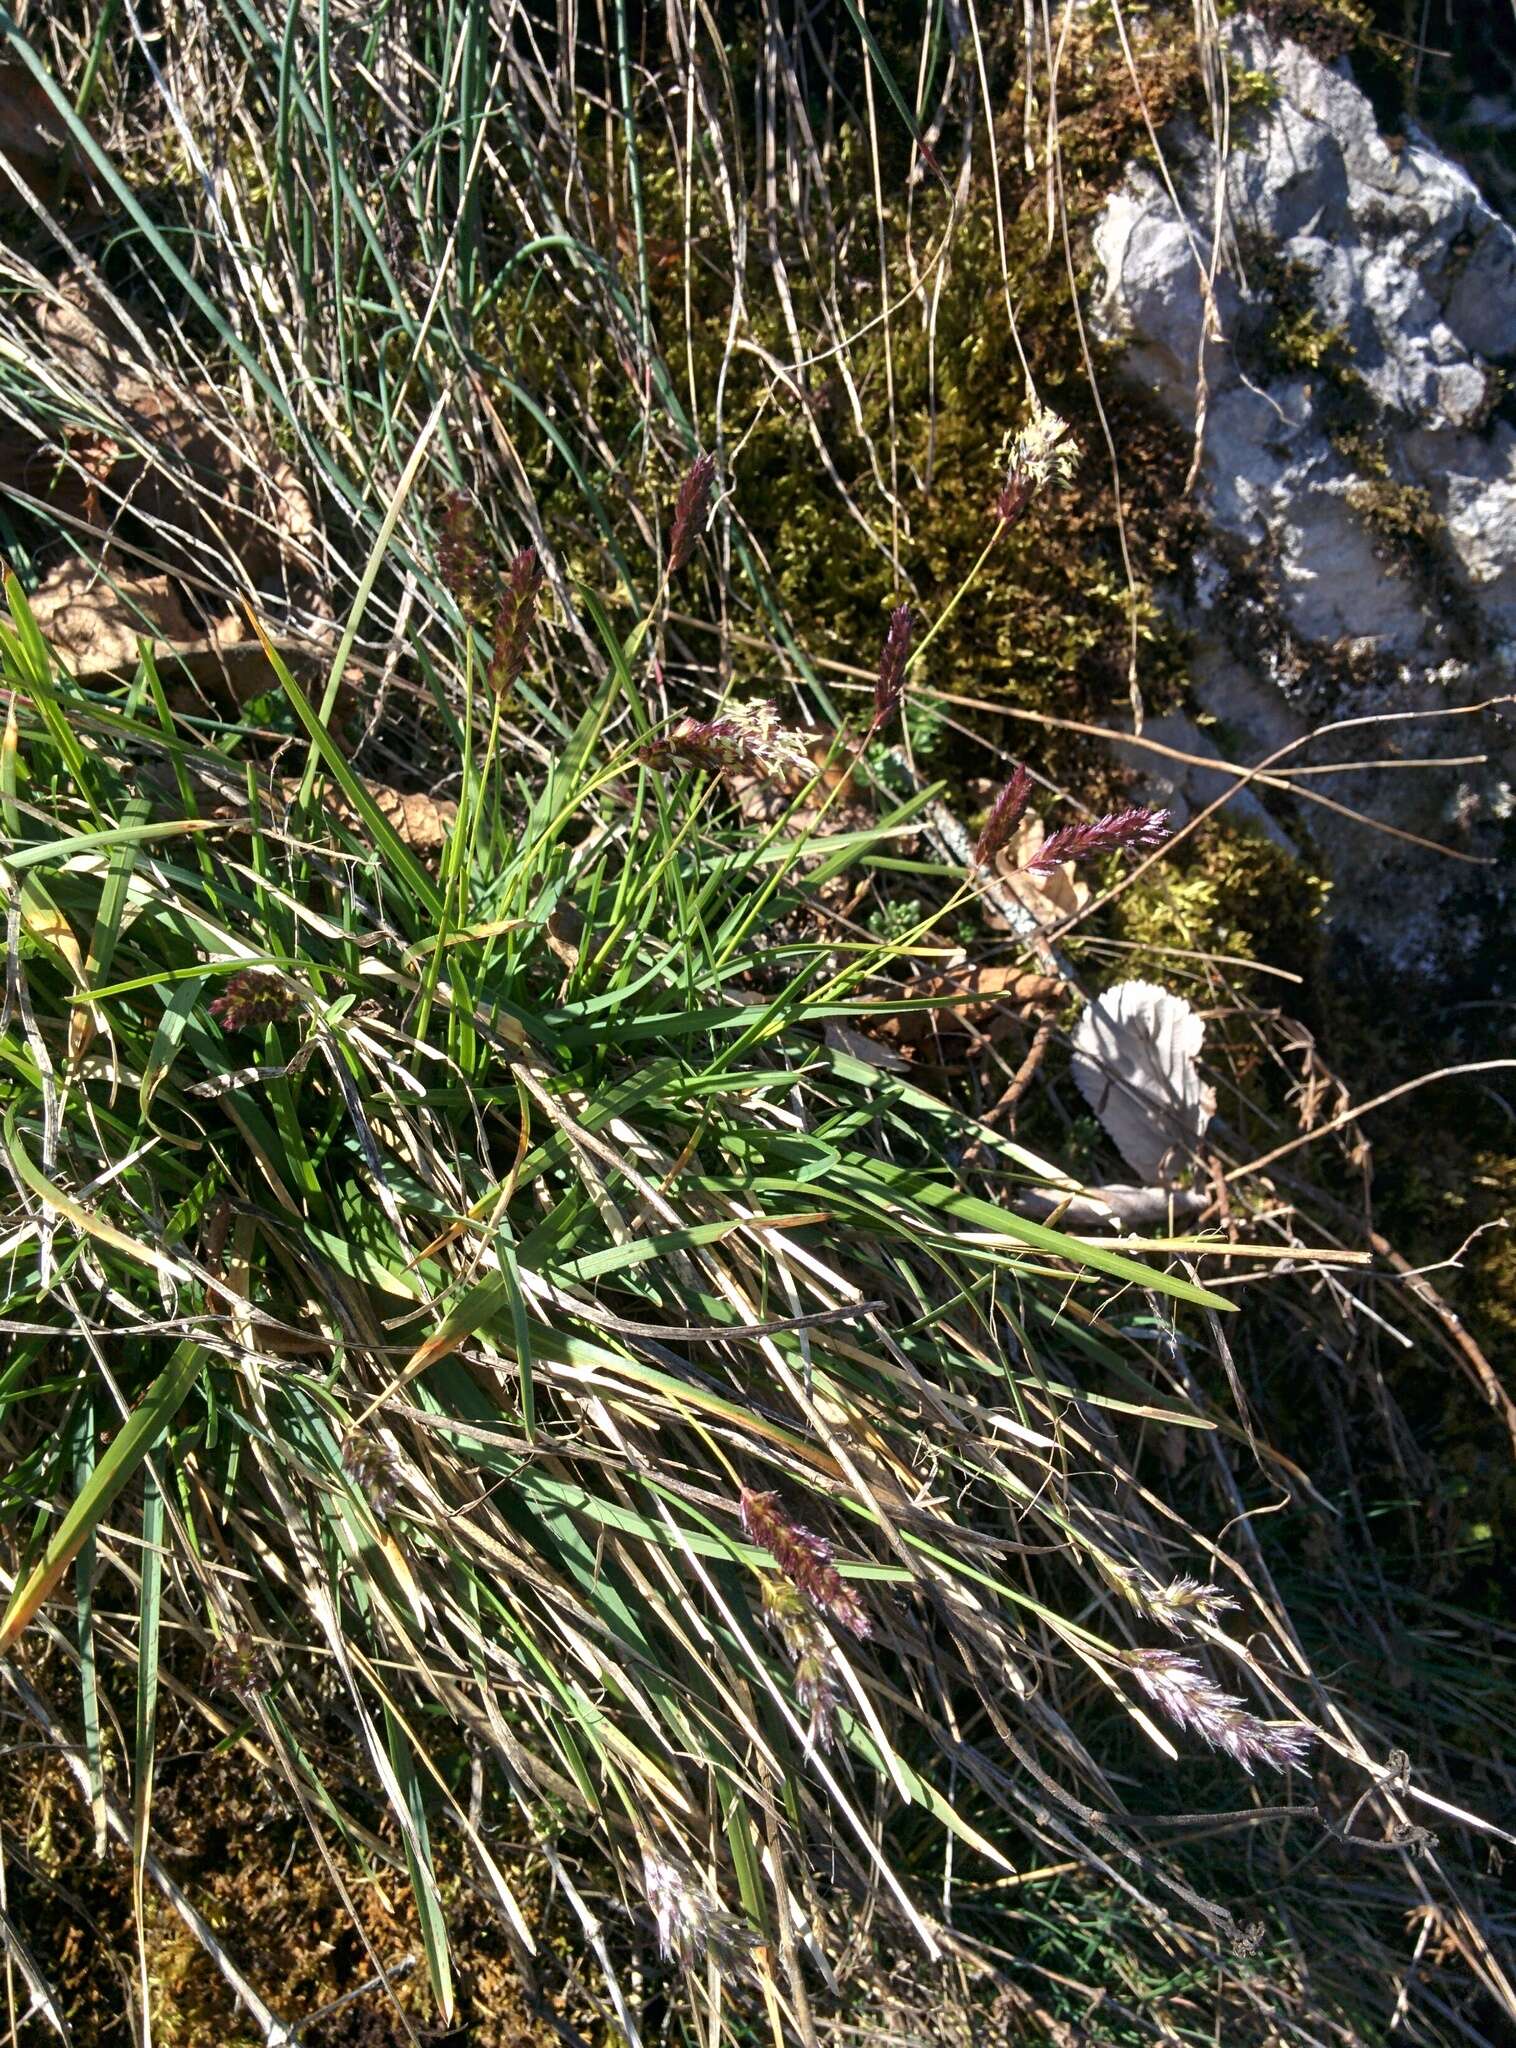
point(1342, 365)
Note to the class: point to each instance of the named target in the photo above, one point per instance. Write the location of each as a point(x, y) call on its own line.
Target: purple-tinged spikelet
point(1006, 813)
point(237, 1665)
point(893, 656)
point(690, 509)
point(372, 1468)
point(1141, 829)
point(803, 1557)
point(462, 557)
point(514, 620)
point(251, 1000)
point(811, 1651)
point(1178, 1685)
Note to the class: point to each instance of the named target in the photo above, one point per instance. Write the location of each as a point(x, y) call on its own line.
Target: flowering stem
point(957, 597)
point(775, 880)
point(458, 864)
point(484, 784)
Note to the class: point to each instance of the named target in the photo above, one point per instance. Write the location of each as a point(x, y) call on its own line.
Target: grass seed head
point(515, 618)
point(690, 510)
point(463, 558)
point(371, 1467)
point(1184, 1601)
point(1139, 829)
point(804, 1558)
point(1040, 455)
point(237, 1665)
point(1006, 813)
point(893, 656)
point(810, 1650)
point(1180, 1688)
point(743, 736)
point(689, 1921)
point(250, 1000)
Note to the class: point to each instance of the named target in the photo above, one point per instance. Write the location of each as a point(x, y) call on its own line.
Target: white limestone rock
point(1312, 615)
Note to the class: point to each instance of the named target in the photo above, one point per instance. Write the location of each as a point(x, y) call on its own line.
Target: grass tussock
point(504, 1351)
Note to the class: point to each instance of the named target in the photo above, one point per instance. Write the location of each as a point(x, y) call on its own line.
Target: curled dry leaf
point(418, 820)
point(564, 933)
point(94, 620)
point(1136, 1063)
point(1114, 1207)
point(210, 487)
point(38, 147)
point(422, 822)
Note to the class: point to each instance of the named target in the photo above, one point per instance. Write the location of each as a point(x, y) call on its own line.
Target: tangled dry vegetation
point(598, 1447)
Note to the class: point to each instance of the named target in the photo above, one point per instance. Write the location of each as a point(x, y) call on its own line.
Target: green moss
point(1301, 340)
point(1411, 535)
point(1401, 514)
point(1049, 623)
point(1364, 448)
point(1251, 92)
point(1234, 894)
point(1287, 335)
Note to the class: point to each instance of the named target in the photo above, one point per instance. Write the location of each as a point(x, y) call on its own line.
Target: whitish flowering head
point(1180, 1605)
point(1178, 1686)
point(1184, 1601)
point(1039, 455)
point(743, 736)
point(690, 1922)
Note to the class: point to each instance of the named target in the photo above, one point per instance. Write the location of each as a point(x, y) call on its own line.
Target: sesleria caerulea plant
point(416, 1258)
point(601, 1365)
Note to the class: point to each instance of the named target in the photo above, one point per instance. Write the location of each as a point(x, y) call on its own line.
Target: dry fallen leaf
point(984, 997)
point(564, 932)
point(38, 147)
point(1136, 1052)
point(179, 458)
point(94, 621)
point(1050, 898)
point(422, 822)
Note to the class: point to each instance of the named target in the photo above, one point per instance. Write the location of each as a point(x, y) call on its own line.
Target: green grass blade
point(142, 1430)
